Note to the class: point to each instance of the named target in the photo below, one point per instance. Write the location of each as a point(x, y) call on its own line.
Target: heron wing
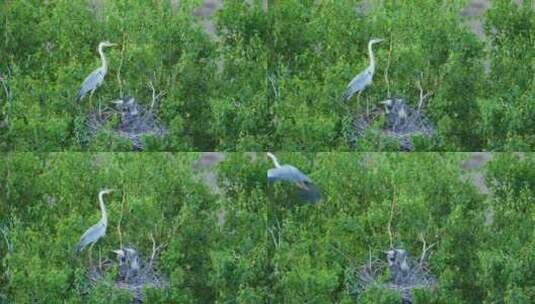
point(91, 235)
point(358, 83)
point(311, 194)
point(287, 173)
point(91, 82)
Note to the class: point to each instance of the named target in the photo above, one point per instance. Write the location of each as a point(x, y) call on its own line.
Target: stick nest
point(397, 273)
point(401, 130)
point(135, 122)
point(135, 273)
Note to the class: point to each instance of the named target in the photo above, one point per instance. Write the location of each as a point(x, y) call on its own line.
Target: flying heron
point(308, 191)
point(96, 78)
point(364, 78)
point(93, 234)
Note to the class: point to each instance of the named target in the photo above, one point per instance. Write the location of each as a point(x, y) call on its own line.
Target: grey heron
point(396, 113)
point(308, 191)
point(96, 78)
point(364, 78)
point(95, 232)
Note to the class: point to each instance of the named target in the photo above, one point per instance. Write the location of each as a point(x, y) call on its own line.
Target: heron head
point(389, 104)
point(106, 191)
point(376, 40)
point(107, 44)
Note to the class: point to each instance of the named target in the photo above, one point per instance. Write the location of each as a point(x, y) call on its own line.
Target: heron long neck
point(103, 57)
point(103, 208)
point(274, 159)
point(372, 59)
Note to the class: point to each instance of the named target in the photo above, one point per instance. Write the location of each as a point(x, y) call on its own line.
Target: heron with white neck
point(96, 78)
point(308, 190)
point(364, 78)
point(97, 231)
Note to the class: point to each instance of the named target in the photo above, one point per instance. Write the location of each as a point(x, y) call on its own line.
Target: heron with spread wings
point(96, 78)
point(308, 191)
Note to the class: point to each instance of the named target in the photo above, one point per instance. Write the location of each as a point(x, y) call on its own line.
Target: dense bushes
point(272, 79)
point(254, 242)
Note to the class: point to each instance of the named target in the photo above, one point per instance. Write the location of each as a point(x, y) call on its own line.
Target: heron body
point(95, 232)
point(290, 173)
point(364, 78)
point(96, 78)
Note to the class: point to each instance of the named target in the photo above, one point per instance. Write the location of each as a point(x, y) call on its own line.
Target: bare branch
point(423, 97)
point(155, 96)
point(120, 67)
point(8, 244)
point(120, 221)
point(425, 248)
point(392, 206)
point(153, 250)
point(388, 66)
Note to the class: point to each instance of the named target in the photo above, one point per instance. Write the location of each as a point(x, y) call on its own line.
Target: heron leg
point(91, 98)
point(91, 255)
point(100, 258)
point(302, 185)
point(367, 107)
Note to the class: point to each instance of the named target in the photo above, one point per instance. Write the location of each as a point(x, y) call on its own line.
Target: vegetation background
point(253, 78)
point(231, 238)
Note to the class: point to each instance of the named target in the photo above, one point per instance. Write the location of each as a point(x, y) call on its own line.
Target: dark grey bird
point(364, 78)
point(93, 234)
point(398, 265)
point(96, 78)
point(129, 264)
point(128, 109)
point(396, 113)
point(308, 191)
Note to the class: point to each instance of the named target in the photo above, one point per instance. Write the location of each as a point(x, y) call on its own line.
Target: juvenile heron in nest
point(93, 234)
point(364, 78)
point(128, 109)
point(307, 190)
point(129, 264)
point(96, 78)
point(398, 264)
point(396, 113)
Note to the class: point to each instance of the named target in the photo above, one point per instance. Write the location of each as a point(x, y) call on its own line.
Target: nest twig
point(136, 121)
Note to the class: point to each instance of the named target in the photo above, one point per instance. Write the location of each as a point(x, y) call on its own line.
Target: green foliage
point(156, 197)
point(272, 77)
point(250, 241)
point(508, 107)
point(322, 45)
point(49, 51)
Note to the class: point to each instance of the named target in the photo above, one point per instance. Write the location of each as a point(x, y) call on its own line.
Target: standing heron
point(308, 191)
point(93, 234)
point(364, 78)
point(96, 78)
